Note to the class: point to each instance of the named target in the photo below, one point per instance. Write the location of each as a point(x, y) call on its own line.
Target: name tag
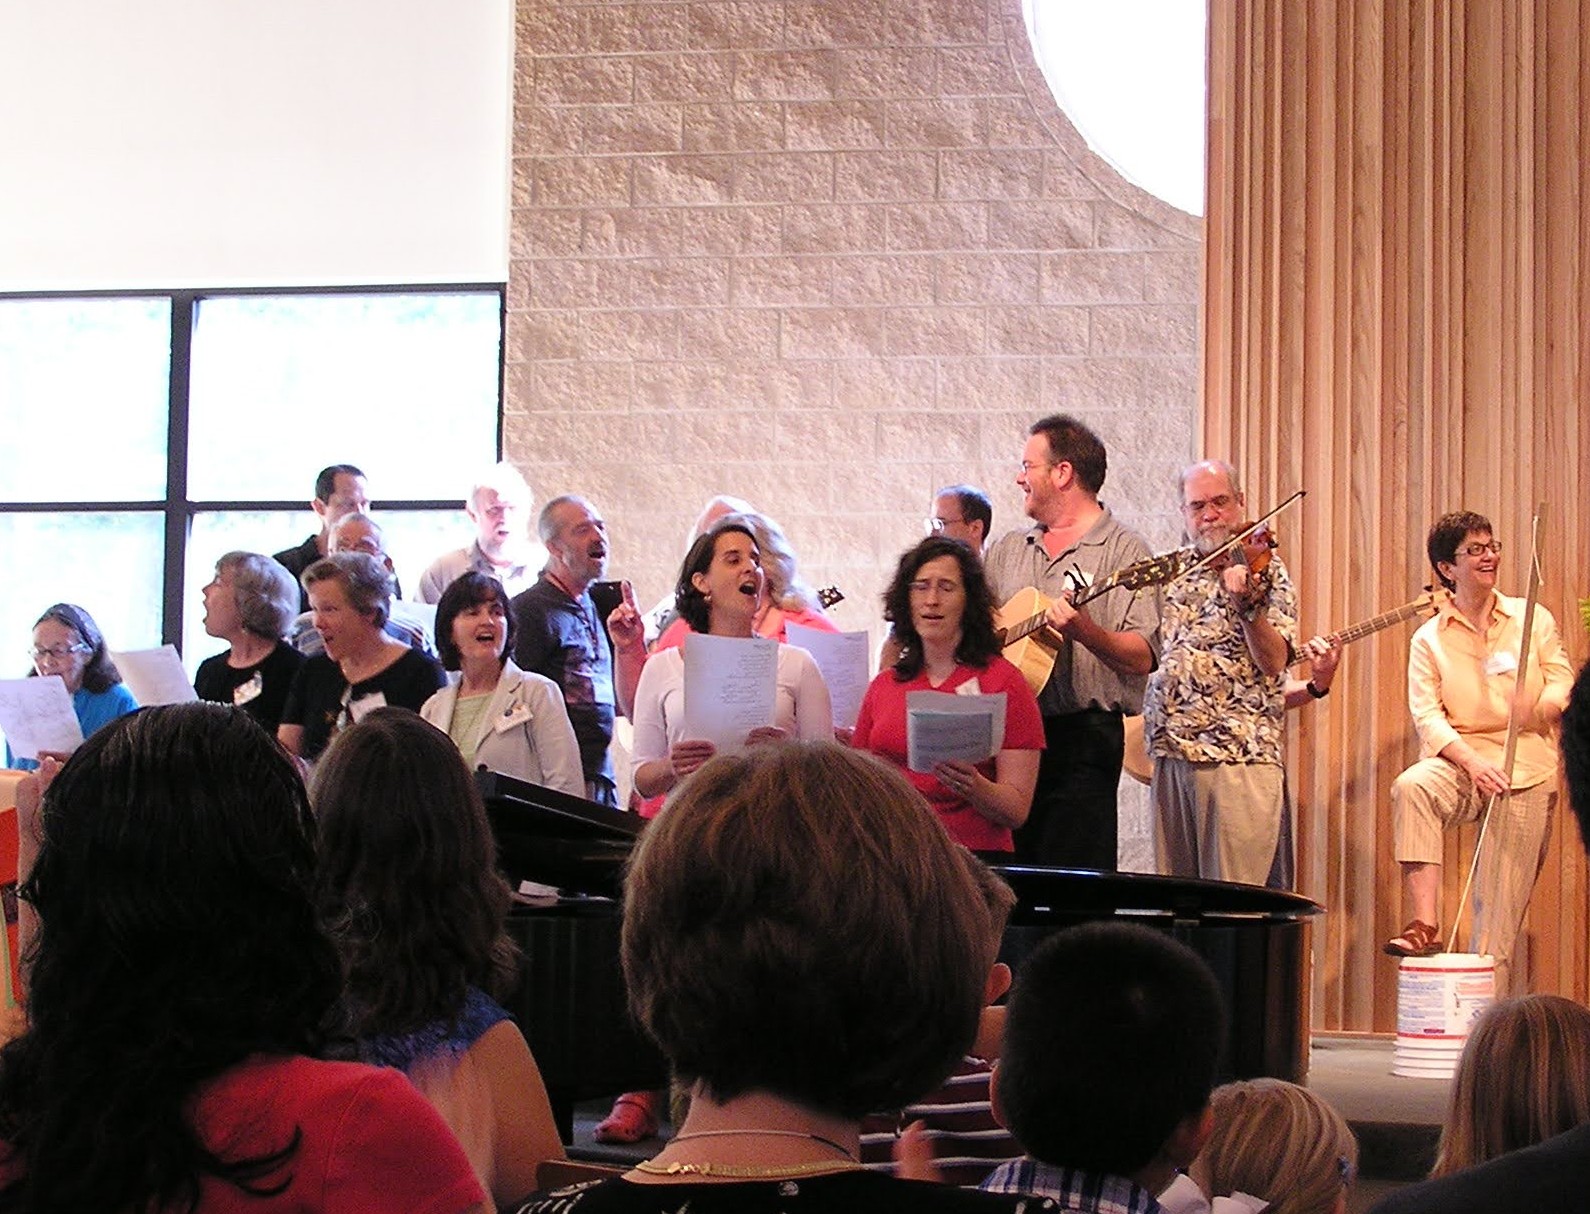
point(513, 715)
point(357, 708)
point(1505, 662)
point(969, 688)
point(244, 692)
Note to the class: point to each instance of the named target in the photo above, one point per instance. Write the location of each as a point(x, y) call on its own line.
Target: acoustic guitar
point(1032, 647)
point(1139, 764)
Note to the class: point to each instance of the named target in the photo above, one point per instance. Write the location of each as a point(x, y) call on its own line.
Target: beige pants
point(1219, 821)
point(1434, 794)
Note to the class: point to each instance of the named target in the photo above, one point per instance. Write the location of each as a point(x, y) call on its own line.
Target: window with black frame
point(149, 433)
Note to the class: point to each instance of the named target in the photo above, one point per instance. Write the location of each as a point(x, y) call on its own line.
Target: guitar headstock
point(830, 596)
point(1151, 571)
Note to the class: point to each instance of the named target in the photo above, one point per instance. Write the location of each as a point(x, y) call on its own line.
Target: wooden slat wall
point(1397, 296)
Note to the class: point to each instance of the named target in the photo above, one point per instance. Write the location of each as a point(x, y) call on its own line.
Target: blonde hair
point(784, 584)
point(1279, 1142)
point(1524, 1077)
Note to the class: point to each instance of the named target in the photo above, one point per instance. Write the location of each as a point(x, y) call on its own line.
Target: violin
point(1256, 549)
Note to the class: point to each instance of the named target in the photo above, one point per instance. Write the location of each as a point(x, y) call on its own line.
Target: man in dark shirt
point(339, 490)
point(560, 635)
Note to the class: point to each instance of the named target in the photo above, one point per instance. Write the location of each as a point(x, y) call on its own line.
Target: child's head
point(1111, 1041)
point(1279, 1142)
point(1524, 1077)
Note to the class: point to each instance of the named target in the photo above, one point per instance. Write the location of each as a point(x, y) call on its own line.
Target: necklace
point(744, 1172)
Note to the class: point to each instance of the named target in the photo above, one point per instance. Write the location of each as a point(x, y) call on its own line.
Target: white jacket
point(524, 732)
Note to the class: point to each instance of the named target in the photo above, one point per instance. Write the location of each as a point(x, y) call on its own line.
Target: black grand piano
point(570, 1001)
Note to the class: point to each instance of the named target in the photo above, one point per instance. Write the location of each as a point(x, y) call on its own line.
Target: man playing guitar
point(1105, 650)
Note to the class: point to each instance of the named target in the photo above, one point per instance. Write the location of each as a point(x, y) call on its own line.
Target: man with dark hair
point(1105, 652)
point(1463, 691)
point(1215, 708)
point(963, 512)
point(1111, 1040)
point(339, 490)
point(1554, 1175)
point(560, 635)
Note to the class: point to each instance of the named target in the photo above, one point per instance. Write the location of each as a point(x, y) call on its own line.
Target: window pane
point(413, 539)
point(84, 387)
point(403, 386)
point(108, 564)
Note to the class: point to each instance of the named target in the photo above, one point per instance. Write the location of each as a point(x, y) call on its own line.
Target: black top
point(295, 561)
point(317, 700)
point(561, 639)
point(858, 1192)
point(1552, 1176)
point(260, 689)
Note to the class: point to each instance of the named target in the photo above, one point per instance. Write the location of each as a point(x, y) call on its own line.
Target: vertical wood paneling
point(1397, 297)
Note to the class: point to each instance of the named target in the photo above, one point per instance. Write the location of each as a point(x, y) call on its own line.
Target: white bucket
point(1438, 1000)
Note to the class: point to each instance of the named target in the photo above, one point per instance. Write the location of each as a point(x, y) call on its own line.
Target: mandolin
point(1139, 764)
point(1032, 648)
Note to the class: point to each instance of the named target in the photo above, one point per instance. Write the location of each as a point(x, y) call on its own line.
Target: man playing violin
point(1213, 713)
point(1463, 686)
point(1105, 649)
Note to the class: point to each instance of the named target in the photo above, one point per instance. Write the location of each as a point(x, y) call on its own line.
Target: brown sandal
point(1418, 939)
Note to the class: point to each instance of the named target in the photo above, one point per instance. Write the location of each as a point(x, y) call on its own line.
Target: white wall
point(222, 143)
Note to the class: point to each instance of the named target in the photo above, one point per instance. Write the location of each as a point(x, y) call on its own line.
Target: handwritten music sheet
point(845, 661)
point(731, 688)
point(36, 714)
point(940, 726)
point(155, 676)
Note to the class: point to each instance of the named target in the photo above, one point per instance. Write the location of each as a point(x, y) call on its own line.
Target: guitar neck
point(1358, 631)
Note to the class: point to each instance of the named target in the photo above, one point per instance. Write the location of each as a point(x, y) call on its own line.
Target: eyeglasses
point(936, 525)
point(1223, 502)
point(58, 652)
point(1027, 465)
point(1494, 547)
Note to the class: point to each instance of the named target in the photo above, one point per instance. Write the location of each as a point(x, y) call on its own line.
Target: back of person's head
point(99, 672)
point(1576, 751)
point(177, 936)
point(1524, 1077)
point(796, 921)
point(1279, 1142)
point(1112, 1035)
point(408, 884)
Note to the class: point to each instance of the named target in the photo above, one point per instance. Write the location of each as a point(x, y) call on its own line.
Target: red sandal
point(633, 1118)
point(1418, 939)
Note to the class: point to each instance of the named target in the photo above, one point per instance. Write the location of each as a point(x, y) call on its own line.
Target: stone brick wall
point(826, 255)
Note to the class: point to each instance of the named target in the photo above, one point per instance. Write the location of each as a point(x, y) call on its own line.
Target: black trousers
point(1073, 819)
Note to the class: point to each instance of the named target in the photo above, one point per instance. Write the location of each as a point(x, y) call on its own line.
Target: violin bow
point(1239, 537)
point(1520, 679)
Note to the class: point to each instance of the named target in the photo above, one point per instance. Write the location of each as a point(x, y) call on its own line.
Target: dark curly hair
point(979, 642)
point(99, 673)
point(409, 887)
point(177, 936)
point(689, 602)
point(466, 591)
point(1445, 536)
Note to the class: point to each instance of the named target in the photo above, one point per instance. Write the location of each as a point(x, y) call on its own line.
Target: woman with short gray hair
point(250, 603)
point(350, 594)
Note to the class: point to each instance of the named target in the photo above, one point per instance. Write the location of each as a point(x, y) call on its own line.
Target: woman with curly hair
point(944, 622)
point(409, 890)
point(179, 978)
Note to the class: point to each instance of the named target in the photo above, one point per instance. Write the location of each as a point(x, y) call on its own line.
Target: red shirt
point(880, 728)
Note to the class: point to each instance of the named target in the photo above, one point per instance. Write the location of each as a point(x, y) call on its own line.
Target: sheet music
point(731, 688)
point(36, 714)
point(154, 676)
point(941, 725)
point(844, 659)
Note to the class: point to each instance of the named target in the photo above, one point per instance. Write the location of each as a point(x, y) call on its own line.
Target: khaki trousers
point(1219, 821)
point(1435, 794)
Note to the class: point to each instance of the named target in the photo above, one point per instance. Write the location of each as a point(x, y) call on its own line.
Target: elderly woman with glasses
point(250, 604)
point(68, 644)
point(363, 668)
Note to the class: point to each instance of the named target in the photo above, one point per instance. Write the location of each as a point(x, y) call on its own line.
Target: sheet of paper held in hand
point(731, 688)
point(940, 725)
point(36, 714)
point(844, 660)
point(154, 676)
